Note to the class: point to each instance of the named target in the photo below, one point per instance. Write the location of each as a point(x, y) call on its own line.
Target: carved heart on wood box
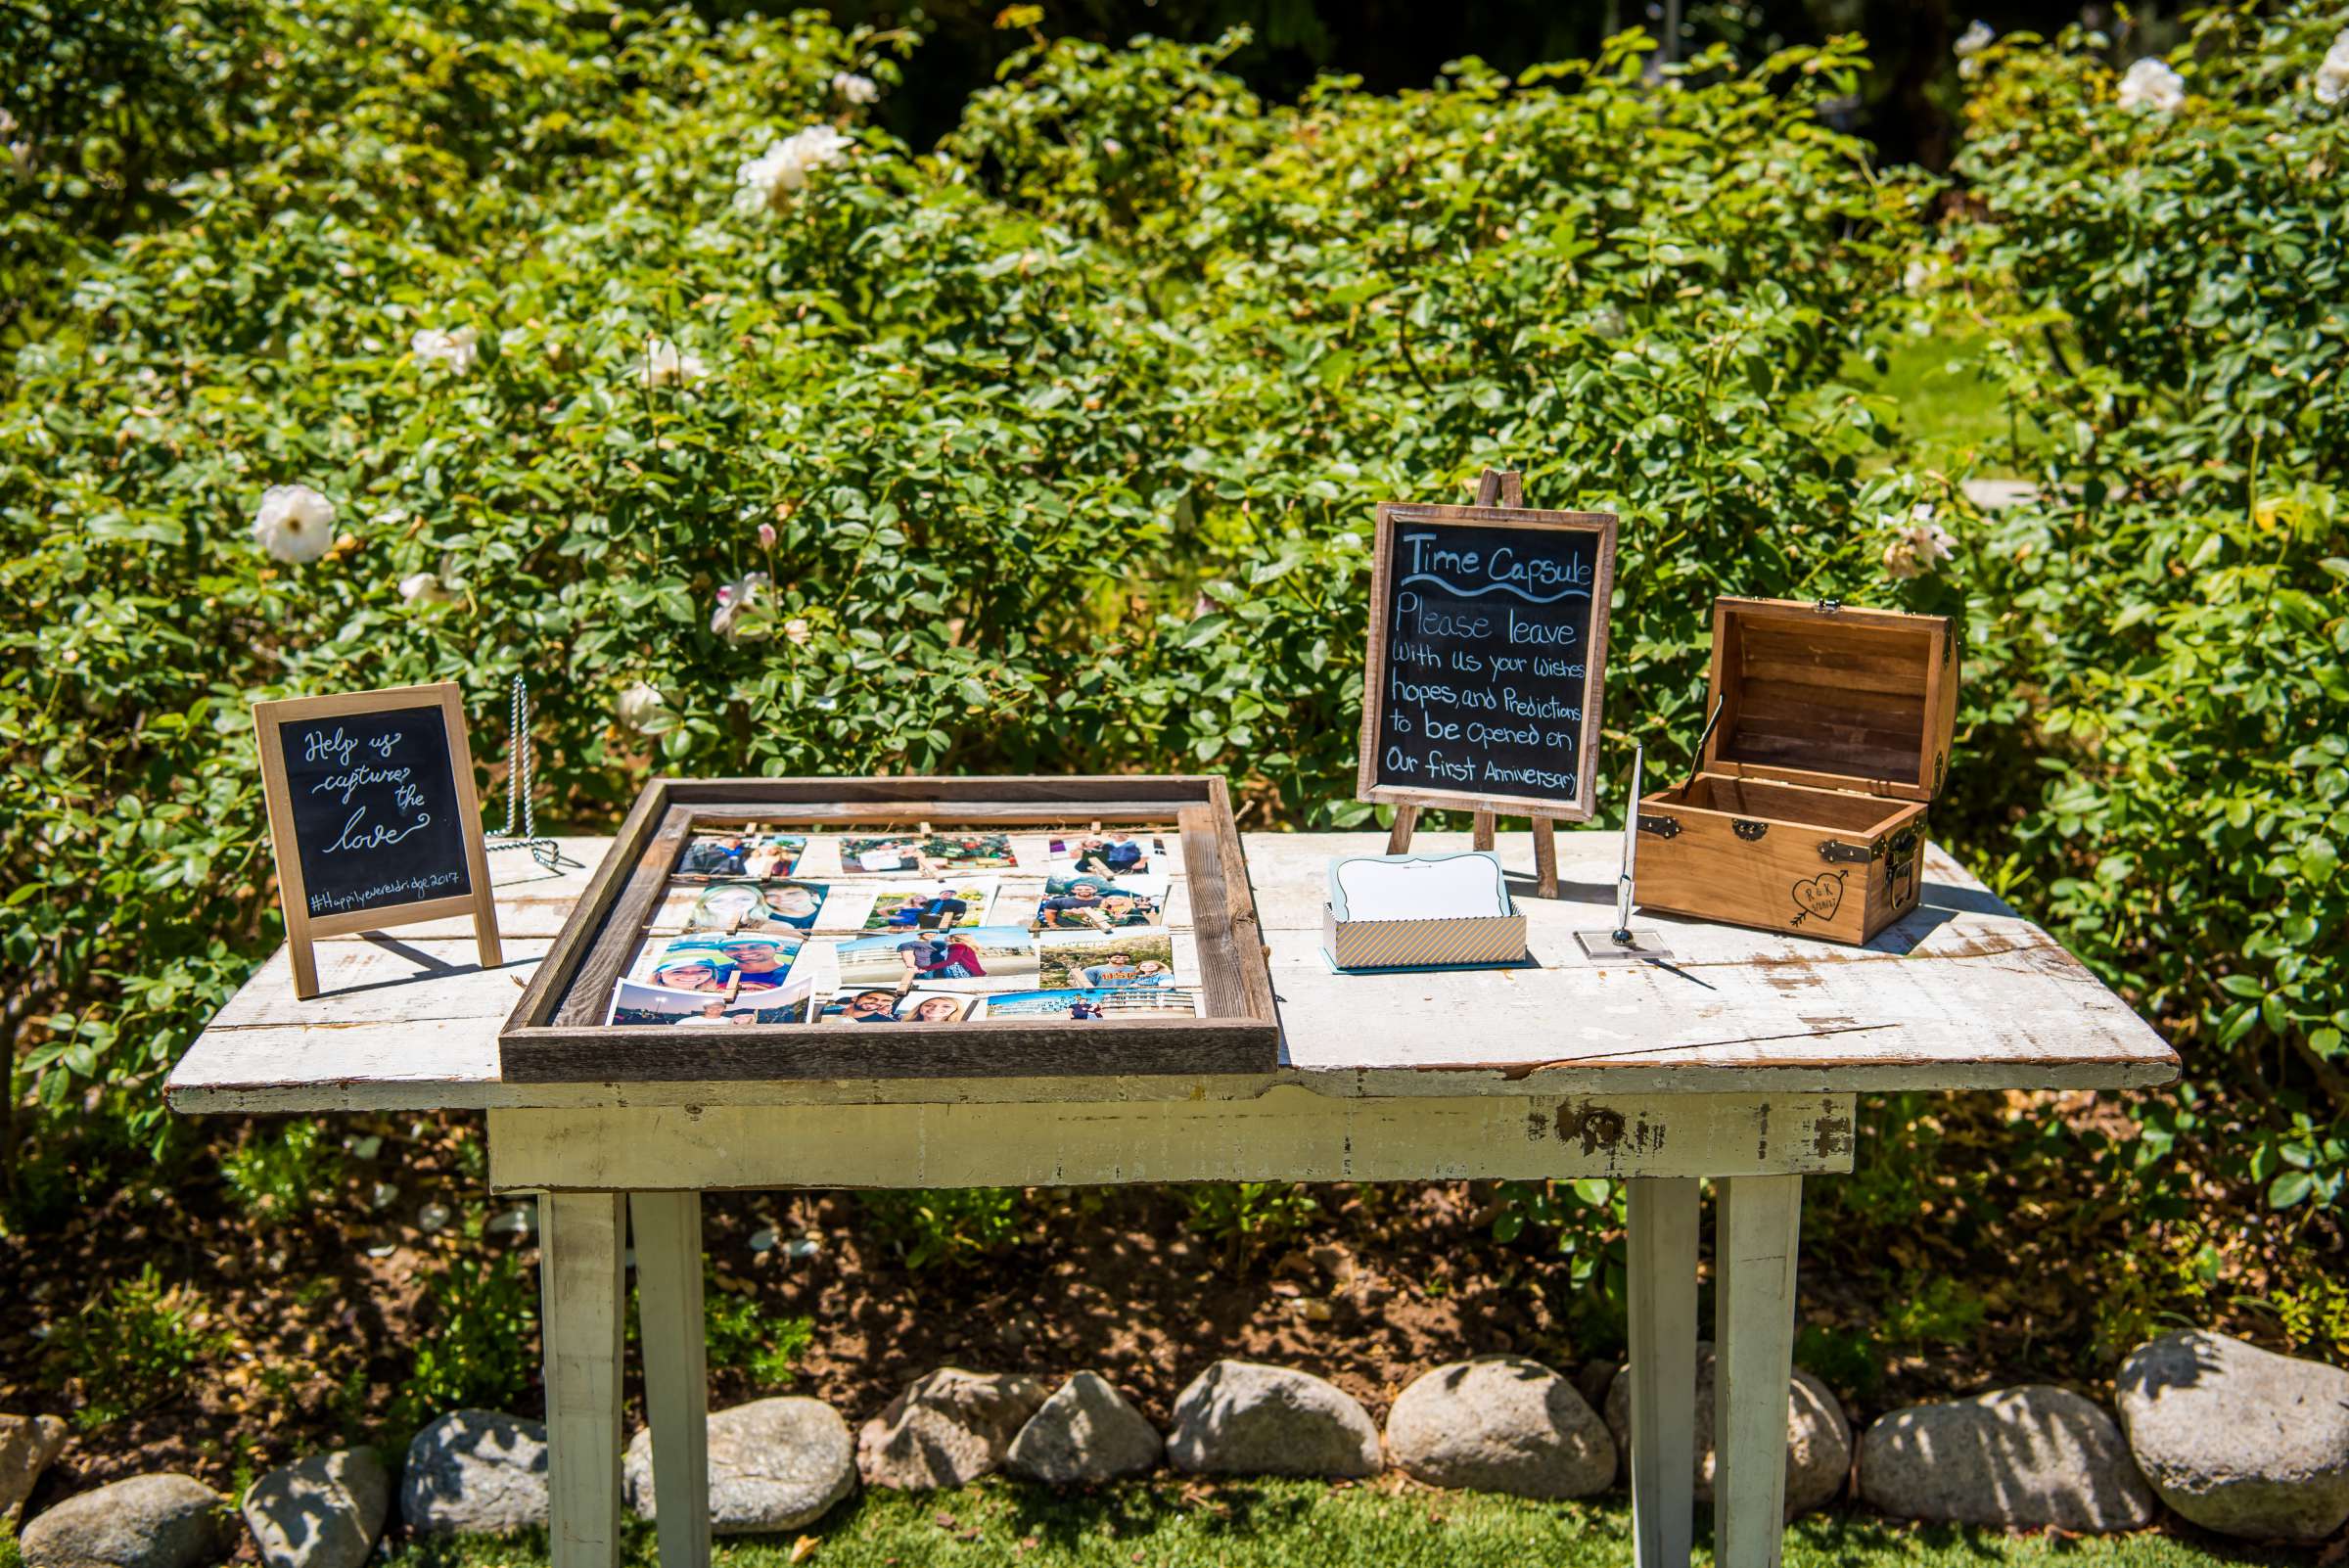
point(1818, 897)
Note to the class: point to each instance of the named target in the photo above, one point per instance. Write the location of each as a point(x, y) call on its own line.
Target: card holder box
point(1354, 941)
point(1445, 942)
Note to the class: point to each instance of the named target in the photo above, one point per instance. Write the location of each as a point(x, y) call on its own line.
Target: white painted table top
point(1962, 994)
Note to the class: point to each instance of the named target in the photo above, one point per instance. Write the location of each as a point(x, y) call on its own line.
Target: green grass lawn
point(1310, 1524)
point(1955, 415)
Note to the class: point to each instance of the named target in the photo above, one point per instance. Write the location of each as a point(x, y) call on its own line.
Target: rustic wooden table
point(1739, 1063)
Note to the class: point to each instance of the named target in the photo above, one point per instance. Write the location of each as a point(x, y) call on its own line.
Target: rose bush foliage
point(1005, 456)
point(2166, 283)
point(1056, 448)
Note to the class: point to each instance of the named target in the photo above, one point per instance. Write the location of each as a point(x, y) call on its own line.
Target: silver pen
point(1631, 851)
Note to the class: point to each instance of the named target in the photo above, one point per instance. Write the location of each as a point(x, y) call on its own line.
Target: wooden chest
point(1828, 735)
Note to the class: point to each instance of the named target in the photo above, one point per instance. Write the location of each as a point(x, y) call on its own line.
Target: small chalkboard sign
point(373, 816)
point(1488, 657)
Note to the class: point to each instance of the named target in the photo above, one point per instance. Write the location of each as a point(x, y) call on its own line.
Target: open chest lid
point(1833, 698)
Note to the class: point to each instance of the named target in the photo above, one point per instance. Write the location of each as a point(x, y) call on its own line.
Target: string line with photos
point(769, 922)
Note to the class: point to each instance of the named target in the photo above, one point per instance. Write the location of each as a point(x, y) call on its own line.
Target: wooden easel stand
point(1503, 488)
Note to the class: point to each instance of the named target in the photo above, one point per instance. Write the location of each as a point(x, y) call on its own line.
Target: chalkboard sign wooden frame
point(557, 1033)
point(1601, 529)
point(270, 720)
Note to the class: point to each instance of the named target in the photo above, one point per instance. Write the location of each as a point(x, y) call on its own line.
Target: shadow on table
point(429, 967)
point(1936, 906)
point(1600, 894)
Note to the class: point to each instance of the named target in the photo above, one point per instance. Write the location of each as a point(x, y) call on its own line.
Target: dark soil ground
point(383, 1285)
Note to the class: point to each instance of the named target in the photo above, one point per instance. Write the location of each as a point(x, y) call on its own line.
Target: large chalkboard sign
point(1488, 659)
point(373, 816)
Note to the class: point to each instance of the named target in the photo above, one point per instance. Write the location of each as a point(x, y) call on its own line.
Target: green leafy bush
point(476, 1320)
point(740, 1335)
point(277, 1172)
point(2166, 628)
point(136, 1344)
point(1248, 1217)
point(957, 1225)
point(1035, 454)
point(1055, 449)
point(1582, 1221)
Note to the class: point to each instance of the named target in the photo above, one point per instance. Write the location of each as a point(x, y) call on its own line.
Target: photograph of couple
point(994, 954)
point(636, 1002)
point(1098, 903)
point(726, 853)
point(742, 961)
point(1116, 853)
point(1099, 962)
point(879, 1005)
point(942, 907)
point(749, 906)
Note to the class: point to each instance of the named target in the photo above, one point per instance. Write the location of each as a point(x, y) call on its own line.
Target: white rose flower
point(2150, 84)
point(1919, 546)
point(662, 364)
point(638, 706)
point(2332, 76)
point(422, 587)
point(734, 601)
point(456, 347)
point(851, 88)
point(767, 180)
point(295, 523)
point(20, 151)
point(1970, 43)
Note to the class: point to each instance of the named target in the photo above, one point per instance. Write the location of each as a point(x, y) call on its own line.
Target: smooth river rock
point(149, 1521)
point(475, 1472)
point(27, 1444)
point(1818, 1440)
point(325, 1511)
point(2023, 1459)
point(1240, 1418)
point(2238, 1439)
point(1501, 1423)
point(1085, 1432)
point(946, 1429)
point(774, 1464)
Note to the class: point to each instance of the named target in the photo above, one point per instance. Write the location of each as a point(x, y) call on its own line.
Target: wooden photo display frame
point(390, 785)
point(558, 1032)
point(1481, 685)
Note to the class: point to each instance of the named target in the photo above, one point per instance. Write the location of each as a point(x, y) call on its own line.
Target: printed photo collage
point(778, 924)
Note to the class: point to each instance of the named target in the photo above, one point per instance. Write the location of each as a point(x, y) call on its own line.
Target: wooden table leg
point(583, 1288)
point(1755, 1238)
point(1662, 1247)
point(676, 1380)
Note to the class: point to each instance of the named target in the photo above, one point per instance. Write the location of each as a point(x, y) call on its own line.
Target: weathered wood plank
point(667, 1233)
point(1960, 994)
point(581, 1289)
point(1289, 1133)
point(1758, 1222)
point(1661, 1320)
